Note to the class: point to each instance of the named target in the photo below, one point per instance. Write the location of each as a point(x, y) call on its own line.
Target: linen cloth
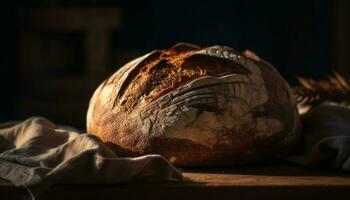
point(36, 154)
point(325, 140)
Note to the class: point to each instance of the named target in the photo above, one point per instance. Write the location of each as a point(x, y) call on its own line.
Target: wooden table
point(249, 182)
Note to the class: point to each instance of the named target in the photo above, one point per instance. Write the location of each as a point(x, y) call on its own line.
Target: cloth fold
point(325, 138)
point(36, 154)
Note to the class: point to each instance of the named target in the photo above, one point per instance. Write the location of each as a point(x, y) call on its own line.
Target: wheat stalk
point(335, 89)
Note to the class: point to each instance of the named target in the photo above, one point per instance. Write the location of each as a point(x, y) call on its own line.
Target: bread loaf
point(196, 106)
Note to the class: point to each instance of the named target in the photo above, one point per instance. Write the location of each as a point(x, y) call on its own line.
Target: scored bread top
point(166, 70)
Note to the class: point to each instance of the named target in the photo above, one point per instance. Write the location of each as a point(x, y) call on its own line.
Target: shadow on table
point(269, 169)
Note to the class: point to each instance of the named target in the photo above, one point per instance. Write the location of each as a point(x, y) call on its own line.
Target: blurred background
point(54, 53)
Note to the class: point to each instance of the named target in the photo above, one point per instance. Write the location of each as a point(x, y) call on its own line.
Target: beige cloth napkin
point(37, 154)
point(325, 138)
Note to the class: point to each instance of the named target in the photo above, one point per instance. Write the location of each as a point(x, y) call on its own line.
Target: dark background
point(308, 38)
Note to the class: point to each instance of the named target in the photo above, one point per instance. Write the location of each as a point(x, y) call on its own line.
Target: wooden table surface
point(249, 182)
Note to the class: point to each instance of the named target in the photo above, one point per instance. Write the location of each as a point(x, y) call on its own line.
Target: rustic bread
point(197, 107)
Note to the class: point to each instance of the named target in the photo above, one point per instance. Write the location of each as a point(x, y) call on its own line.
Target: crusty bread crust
point(197, 107)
